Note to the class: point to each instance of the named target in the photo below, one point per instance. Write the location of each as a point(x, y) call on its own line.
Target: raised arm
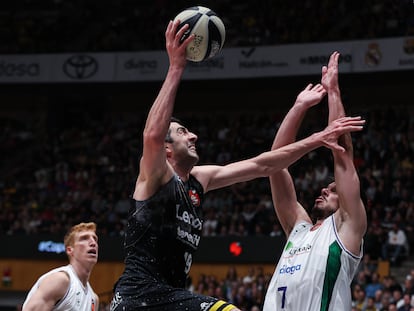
point(154, 169)
point(270, 162)
point(288, 210)
point(351, 216)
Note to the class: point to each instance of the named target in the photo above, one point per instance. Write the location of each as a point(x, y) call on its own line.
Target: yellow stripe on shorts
point(221, 306)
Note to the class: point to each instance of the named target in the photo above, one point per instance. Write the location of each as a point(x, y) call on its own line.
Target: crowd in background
point(54, 26)
point(58, 173)
point(85, 170)
point(54, 175)
point(369, 291)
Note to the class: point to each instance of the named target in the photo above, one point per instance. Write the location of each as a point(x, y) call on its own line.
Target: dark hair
point(168, 138)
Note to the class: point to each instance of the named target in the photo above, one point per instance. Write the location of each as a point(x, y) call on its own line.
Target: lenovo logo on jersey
point(188, 218)
point(289, 270)
point(192, 238)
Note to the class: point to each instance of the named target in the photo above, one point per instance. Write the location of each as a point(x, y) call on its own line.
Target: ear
point(69, 250)
point(168, 151)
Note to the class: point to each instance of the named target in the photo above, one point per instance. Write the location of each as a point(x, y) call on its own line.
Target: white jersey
point(314, 272)
point(77, 297)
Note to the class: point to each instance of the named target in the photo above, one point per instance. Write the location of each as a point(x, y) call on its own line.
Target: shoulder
point(301, 227)
point(194, 181)
point(54, 284)
point(203, 173)
point(58, 274)
point(58, 277)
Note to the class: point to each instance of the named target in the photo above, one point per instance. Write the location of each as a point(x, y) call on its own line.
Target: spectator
point(374, 285)
point(406, 304)
point(397, 298)
point(386, 299)
point(395, 245)
point(359, 298)
point(379, 294)
point(392, 307)
point(391, 284)
point(277, 230)
point(370, 306)
point(408, 287)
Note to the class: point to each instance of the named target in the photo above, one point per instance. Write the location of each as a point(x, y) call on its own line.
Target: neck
point(184, 174)
point(83, 272)
point(317, 224)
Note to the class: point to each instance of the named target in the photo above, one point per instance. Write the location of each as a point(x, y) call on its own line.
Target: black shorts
point(165, 298)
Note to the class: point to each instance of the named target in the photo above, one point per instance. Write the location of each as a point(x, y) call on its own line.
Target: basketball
point(208, 29)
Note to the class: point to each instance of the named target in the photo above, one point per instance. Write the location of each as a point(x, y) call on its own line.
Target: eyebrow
point(181, 128)
point(85, 235)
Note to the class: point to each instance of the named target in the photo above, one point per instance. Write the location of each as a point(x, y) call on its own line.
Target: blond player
point(67, 288)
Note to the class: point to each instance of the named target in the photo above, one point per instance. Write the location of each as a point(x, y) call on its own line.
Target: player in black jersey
point(164, 228)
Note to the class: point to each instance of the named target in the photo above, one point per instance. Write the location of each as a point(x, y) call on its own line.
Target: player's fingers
point(181, 31)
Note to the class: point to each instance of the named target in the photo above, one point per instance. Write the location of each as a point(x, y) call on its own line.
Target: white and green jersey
point(314, 272)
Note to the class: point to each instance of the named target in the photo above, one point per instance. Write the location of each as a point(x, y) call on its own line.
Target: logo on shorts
point(204, 306)
point(115, 301)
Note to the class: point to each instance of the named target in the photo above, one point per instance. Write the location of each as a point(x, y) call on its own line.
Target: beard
point(320, 213)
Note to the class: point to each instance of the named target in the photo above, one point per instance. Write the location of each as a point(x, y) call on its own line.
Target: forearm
point(284, 156)
point(287, 131)
point(328, 138)
point(330, 82)
point(336, 108)
point(264, 165)
point(159, 116)
point(308, 97)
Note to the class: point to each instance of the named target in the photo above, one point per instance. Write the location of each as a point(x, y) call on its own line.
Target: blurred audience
point(55, 174)
point(56, 26)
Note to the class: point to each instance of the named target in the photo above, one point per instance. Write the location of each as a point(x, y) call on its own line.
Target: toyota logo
point(80, 67)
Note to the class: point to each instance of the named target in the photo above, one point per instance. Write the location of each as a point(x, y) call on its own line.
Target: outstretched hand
point(339, 127)
point(311, 95)
point(329, 78)
point(175, 48)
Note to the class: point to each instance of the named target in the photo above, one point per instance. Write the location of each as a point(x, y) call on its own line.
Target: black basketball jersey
point(162, 235)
